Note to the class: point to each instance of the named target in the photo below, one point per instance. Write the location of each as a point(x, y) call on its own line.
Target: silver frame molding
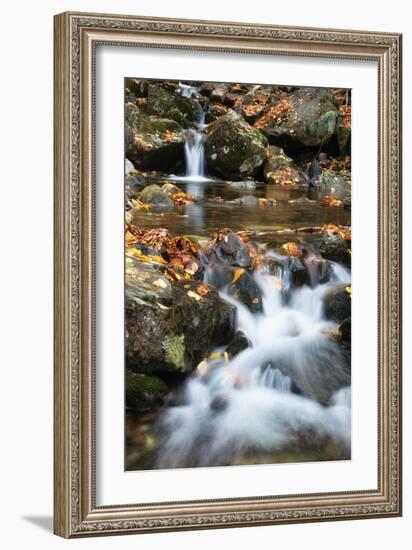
point(75, 39)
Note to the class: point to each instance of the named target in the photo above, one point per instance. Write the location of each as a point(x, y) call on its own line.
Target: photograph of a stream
point(237, 274)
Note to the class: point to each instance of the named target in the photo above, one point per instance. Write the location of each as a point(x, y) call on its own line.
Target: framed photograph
point(227, 274)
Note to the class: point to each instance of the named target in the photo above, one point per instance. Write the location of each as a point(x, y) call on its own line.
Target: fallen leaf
point(160, 283)
point(202, 368)
point(162, 306)
point(330, 201)
point(291, 249)
point(193, 295)
point(203, 289)
point(349, 290)
point(238, 273)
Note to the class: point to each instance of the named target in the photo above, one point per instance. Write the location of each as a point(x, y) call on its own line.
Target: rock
point(153, 143)
point(162, 103)
point(144, 392)
point(335, 249)
point(218, 93)
point(170, 189)
point(246, 200)
point(239, 343)
point(252, 104)
point(343, 134)
point(345, 330)
point(165, 328)
point(219, 403)
point(306, 117)
point(336, 184)
point(279, 168)
point(214, 112)
point(246, 184)
point(337, 303)
point(190, 108)
point(233, 149)
point(299, 275)
point(231, 250)
point(128, 167)
point(248, 292)
point(219, 275)
point(319, 270)
point(139, 88)
point(156, 197)
point(133, 184)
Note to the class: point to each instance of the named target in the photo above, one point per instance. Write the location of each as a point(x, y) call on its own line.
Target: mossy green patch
point(174, 348)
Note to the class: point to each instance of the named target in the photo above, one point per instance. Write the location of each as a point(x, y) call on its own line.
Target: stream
point(249, 409)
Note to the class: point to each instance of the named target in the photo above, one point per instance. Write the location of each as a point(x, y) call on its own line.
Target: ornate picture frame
point(76, 512)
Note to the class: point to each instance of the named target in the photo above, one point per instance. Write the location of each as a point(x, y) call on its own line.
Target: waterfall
point(194, 154)
point(194, 141)
point(246, 404)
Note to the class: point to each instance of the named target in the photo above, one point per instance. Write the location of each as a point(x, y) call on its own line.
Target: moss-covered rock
point(306, 117)
point(153, 143)
point(156, 198)
point(165, 328)
point(144, 392)
point(170, 189)
point(234, 149)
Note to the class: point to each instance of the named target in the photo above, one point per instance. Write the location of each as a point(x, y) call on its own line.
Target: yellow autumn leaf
point(349, 290)
point(238, 273)
point(291, 249)
point(202, 368)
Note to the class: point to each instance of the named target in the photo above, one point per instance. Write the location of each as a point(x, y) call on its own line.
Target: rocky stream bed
point(237, 273)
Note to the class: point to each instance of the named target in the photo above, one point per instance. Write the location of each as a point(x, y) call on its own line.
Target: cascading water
point(194, 145)
point(289, 390)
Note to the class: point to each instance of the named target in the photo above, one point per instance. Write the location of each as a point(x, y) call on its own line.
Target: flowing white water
point(245, 406)
point(194, 143)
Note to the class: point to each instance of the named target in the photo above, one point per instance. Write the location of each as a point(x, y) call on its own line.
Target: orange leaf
point(291, 249)
point(238, 273)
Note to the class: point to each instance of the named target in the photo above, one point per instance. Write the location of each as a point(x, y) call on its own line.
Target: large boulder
point(165, 328)
point(162, 102)
point(234, 149)
point(306, 117)
point(337, 303)
point(279, 168)
point(153, 143)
